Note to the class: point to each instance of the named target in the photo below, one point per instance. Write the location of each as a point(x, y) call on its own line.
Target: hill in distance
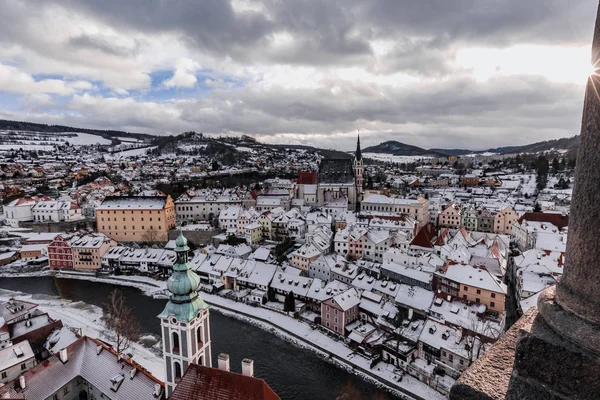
point(7, 125)
point(401, 149)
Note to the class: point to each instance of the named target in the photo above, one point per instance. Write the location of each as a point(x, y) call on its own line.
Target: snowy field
point(10, 140)
point(394, 159)
point(128, 153)
point(86, 139)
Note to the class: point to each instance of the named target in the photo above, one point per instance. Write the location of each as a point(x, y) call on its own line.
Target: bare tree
point(121, 321)
point(151, 235)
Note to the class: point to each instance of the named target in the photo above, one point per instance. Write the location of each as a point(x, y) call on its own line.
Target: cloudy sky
point(433, 73)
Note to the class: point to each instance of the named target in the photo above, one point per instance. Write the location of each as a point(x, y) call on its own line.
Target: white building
point(56, 211)
point(20, 210)
point(14, 360)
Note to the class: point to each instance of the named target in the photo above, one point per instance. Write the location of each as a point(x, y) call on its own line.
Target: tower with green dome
point(184, 321)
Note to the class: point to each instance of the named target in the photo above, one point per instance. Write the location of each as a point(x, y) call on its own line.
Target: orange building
point(136, 218)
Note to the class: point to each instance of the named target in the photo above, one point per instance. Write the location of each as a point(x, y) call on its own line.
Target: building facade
point(136, 219)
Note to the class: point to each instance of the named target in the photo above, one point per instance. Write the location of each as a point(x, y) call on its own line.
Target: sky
point(431, 73)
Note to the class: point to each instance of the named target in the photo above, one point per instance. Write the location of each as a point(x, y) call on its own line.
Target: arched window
point(175, 343)
point(199, 335)
point(177, 372)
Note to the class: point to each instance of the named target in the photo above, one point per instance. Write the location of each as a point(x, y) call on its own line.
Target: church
point(341, 182)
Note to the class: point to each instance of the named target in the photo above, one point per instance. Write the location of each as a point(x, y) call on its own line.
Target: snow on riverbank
point(297, 332)
point(77, 314)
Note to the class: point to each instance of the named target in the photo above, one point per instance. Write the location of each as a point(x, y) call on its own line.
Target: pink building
point(340, 310)
point(503, 221)
point(356, 242)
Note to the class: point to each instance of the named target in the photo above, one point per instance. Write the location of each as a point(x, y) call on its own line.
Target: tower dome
point(184, 302)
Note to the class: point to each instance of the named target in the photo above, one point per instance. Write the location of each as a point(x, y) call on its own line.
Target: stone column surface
point(579, 289)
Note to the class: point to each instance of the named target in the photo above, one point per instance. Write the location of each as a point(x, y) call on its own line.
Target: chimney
point(22, 382)
point(63, 356)
point(224, 362)
point(247, 367)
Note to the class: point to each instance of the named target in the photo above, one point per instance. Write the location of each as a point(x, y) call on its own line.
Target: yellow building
point(89, 249)
point(137, 218)
point(473, 285)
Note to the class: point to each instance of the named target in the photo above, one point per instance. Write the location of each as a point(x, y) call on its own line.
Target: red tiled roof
point(307, 178)
point(424, 237)
point(203, 383)
point(561, 221)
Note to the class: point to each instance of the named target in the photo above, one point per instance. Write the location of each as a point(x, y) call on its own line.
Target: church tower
point(184, 321)
point(358, 169)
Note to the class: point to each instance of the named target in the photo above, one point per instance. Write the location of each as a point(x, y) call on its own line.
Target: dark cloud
point(330, 31)
point(445, 109)
point(101, 43)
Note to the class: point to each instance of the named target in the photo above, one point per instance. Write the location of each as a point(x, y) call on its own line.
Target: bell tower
point(358, 169)
point(185, 321)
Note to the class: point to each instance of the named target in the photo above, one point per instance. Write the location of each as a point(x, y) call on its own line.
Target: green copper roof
point(181, 243)
point(184, 302)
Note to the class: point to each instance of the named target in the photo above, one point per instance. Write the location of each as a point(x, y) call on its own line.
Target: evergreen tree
point(289, 305)
point(542, 168)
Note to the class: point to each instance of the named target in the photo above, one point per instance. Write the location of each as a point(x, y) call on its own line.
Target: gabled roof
point(203, 383)
point(424, 237)
point(93, 361)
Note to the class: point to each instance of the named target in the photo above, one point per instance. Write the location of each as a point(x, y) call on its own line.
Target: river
point(293, 373)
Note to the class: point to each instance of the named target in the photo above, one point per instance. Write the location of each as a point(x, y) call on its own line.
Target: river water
point(293, 373)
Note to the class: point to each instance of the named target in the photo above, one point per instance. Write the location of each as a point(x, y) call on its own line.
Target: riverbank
point(294, 331)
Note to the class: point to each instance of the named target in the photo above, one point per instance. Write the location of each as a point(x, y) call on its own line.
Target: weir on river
point(294, 373)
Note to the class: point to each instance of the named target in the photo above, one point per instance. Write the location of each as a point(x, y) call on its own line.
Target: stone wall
point(198, 238)
point(57, 227)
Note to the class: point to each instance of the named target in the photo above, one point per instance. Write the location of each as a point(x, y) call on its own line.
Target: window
point(492, 304)
point(3, 375)
point(175, 343)
point(466, 289)
point(478, 291)
point(23, 367)
point(493, 295)
point(477, 300)
point(65, 390)
point(177, 372)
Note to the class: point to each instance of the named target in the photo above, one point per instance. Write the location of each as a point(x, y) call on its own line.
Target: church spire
point(184, 302)
point(358, 153)
point(185, 324)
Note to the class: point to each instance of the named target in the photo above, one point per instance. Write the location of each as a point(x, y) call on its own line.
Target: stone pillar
point(553, 353)
point(574, 310)
point(579, 289)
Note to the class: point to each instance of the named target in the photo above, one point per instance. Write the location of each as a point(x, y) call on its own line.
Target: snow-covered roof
point(15, 354)
point(133, 203)
point(473, 276)
point(347, 300)
point(414, 297)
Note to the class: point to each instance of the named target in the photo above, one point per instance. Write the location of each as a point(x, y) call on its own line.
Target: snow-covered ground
point(392, 158)
point(292, 330)
point(128, 153)
point(18, 146)
point(86, 139)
